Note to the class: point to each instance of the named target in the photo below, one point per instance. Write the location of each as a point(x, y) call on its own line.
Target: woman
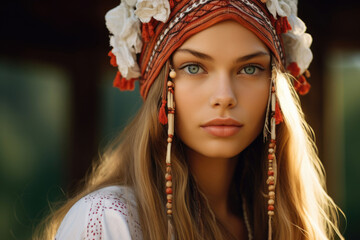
point(239, 160)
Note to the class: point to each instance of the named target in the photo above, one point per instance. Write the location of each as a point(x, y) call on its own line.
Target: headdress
point(145, 33)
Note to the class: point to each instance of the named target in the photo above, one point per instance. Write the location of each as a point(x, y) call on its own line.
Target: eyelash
point(191, 64)
point(257, 67)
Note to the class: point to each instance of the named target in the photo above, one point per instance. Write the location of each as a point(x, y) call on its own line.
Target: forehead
point(225, 38)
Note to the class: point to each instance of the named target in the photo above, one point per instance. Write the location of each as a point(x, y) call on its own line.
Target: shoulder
point(107, 213)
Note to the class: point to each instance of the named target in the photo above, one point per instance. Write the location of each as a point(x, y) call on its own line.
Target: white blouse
point(106, 214)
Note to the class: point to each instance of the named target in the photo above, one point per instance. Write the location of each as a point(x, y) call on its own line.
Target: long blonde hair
point(137, 159)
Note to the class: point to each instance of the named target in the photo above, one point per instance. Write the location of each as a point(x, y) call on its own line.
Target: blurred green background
point(58, 107)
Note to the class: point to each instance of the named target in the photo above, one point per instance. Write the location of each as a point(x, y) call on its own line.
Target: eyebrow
point(207, 57)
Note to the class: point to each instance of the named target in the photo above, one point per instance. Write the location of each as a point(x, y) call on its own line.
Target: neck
point(214, 177)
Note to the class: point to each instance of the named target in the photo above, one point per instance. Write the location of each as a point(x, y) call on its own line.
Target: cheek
point(255, 102)
point(187, 103)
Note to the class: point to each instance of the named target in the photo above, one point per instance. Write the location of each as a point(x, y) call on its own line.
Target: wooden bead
point(172, 74)
point(168, 184)
point(169, 205)
point(270, 180)
point(169, 140)
point(271, 193)
point(168, 177)
point(168, 169)
point(169, 211)
point(271, 202)
point(169, 196)
point(271, 187)
point(271, 213)
point(271, 145)
point(170, 83)
point(169, 191)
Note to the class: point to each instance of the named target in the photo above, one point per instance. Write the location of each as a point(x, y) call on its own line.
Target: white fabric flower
point(296, 41)
point(297, 44)
point(131, 3)
point(282, 8)
point(126, 38)
point(147, 9)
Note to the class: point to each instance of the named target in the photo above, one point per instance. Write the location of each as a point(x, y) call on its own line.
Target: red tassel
point(294, 69)
point(147, 31)
point(150, 29)
point(282, 25)
point(123, 84)
point(162, 114)
point(278, 27)
point(285, 25)
point(172, 4)
point(301, 85)
point(112, 59)
point(278, 114)
point(129, 84)
point(145, 34)
point(117, 80)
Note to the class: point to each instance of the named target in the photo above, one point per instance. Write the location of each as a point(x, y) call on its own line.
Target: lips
point(222, 127)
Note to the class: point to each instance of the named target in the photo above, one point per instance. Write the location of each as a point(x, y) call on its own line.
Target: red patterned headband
point(166, 25)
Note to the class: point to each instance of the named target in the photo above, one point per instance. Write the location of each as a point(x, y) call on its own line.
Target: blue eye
point(250, 70)
point(192, 69)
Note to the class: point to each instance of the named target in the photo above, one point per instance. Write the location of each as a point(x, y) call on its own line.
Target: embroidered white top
point(108, 213)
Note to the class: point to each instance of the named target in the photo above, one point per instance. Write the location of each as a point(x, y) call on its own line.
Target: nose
point(223, 95)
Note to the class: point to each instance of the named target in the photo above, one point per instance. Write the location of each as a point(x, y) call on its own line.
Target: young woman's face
point(221, 90)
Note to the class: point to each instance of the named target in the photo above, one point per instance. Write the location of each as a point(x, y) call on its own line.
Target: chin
point(221, 151)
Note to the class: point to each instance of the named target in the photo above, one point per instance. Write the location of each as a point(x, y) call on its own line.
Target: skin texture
point(223, 72)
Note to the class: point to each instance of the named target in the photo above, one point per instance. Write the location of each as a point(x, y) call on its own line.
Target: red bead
point(271, 156)
point(271, 145)
point(273, 140)
point(168, 190)
point(271, 173)
point(168, 177)
point(271, 208)
point(271, 183)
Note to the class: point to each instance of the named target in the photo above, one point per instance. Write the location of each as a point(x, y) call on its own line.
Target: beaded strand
point(168, 174)
point(271, 180)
